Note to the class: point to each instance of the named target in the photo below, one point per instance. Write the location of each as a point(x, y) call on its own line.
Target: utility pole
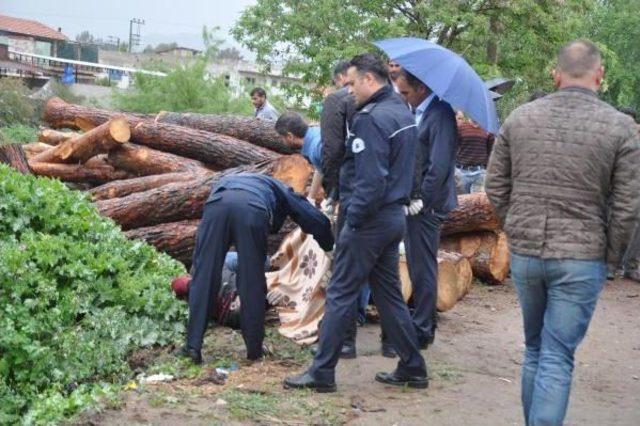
point(134, 38)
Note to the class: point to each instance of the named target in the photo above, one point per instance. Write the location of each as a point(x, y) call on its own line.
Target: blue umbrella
point(447, 74)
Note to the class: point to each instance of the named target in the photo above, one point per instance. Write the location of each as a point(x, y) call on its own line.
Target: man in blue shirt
point(296, 132)
point(242, 210)
point(374, 189)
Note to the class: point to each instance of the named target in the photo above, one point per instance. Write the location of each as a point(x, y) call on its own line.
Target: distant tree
point(165, 46)
point(148, 49)
point(85, 37)
point(229, 53)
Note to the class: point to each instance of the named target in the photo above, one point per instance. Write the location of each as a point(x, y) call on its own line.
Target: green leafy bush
point(76, 297)
point(15, 105)
point(186, 88)
point(18, 133)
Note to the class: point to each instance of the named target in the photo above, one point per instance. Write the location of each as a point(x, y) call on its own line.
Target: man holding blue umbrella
point(433, 80)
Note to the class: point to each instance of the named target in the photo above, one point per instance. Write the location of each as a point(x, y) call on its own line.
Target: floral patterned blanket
point(298, 287)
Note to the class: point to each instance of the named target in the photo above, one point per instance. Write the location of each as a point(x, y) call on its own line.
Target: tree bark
point(60, 114)
point(101, 139)
point(185, 200)
point(220, 151)
point(81, 173)
point(455, 279)
point(122, 188)
point(488, 253)
point(258, 132)
point(34, 148)
point(474, 213)
point(143, 161)
point(55, 137)
point(14, 156)
point(177, 239)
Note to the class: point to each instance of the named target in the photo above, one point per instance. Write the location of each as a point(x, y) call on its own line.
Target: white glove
point(415, 207)
point(312, 201)
point(327, 207)
point(405, 209)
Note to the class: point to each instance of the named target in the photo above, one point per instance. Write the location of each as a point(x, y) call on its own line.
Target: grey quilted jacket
point(564, 180)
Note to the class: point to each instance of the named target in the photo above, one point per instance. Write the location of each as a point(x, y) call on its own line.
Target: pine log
point(455, 279)
point(143, 161)
point(487, 251)
point(122, 188)
point(60, 114)
point(78, 172)
point(474, 213)
point(101, 139)
point(177, 239)
point(185, 200)
point(220, 151)
point(55, 137)
point(258, 132)
point(14, 156)
point(34, 148)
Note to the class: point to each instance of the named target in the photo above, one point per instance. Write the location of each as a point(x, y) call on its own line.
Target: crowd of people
point(391, 156)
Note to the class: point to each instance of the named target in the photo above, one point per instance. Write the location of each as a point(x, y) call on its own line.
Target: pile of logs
point(152, 175)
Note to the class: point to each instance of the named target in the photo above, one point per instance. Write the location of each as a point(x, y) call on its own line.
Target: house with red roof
point(29, 36)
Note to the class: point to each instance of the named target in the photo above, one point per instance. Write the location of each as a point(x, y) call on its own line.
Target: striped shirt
point(474, 145)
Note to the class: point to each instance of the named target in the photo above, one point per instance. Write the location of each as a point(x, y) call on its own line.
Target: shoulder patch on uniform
point(357, 145)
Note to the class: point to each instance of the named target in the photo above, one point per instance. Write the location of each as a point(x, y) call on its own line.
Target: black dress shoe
point(347, 352)
point(186, 352)
point(306, 381)
point(395, 379)
point(388, 351)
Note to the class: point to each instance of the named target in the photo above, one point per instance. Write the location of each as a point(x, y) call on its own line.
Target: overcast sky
point(165, 21)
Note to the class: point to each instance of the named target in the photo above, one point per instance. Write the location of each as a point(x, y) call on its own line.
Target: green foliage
point(17, 133)
point(62, 91)
point(187, 88)
point(15, 105)
point(75, 298)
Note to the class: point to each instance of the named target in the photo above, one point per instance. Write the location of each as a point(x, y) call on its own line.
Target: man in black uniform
point(375, 184)
point(242, 210)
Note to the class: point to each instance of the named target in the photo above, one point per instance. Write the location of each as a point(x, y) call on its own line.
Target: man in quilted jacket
point(563, 179)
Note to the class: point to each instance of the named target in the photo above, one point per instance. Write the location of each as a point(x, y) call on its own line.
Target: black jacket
point(337, 110)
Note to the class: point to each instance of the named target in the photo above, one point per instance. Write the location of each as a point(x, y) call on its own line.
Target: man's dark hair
point(578, 57)
point(341, 68)
point(368, 62)
point(630, 111)
point(537, 94)
point(259, 91)
point(411, 79)
point(291, 122)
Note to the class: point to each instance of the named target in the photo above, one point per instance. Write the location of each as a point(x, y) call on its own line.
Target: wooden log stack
point(152, 175)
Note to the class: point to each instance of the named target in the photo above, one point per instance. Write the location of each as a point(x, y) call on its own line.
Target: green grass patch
point(18, 133)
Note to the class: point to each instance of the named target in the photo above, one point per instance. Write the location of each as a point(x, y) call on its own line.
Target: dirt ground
point(474, 368)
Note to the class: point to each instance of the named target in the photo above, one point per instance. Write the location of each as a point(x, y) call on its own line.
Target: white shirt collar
point(420, 109)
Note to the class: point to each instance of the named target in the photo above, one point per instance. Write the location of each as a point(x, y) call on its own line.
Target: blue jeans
point(470, 180)
point(558, 298)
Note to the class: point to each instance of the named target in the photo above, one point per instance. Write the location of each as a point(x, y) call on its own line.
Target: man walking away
point(242, 210)
point(563, 179)
point(434, 195)
point(263, 108)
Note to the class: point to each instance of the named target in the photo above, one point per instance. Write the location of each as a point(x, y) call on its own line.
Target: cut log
point(488, 253)
point(258, 132)
point(78, 172)
point(181, 201)
point(55, 137)
point(177, 239)
point(220, 151)
point(143, 161)
point(60, 114)
point(455, 279)
point(474, 213)
point(14, 156)
point(34, 148)
point(122, 188)
point(101, 139)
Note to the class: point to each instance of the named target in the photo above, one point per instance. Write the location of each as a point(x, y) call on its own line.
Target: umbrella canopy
point(447, 74)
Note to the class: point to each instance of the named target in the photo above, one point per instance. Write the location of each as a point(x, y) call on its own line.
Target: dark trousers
point(239, 218)
point(421, 243)
point(369, 253)
point(352, 326)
